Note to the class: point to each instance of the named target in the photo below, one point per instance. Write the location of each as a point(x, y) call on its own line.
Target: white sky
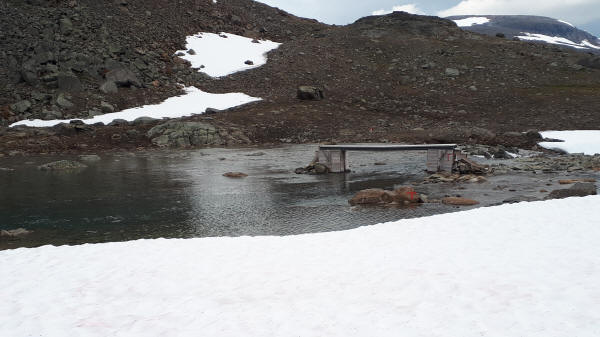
point(582, 13)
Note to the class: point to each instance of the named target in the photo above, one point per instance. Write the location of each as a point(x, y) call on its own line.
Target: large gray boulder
point(21, 106)
point(67, 81)
point(184, 134)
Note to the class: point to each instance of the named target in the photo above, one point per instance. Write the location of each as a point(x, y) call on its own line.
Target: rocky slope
point(398, 77)
point(545, 29)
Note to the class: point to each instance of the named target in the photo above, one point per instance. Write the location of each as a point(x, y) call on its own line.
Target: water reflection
point(183, 194)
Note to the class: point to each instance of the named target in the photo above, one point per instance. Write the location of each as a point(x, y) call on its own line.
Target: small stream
point(182, 194)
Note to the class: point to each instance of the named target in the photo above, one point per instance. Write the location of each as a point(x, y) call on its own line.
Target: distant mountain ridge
point(532, 28)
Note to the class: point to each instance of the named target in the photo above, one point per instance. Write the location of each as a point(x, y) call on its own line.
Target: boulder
point(310, 93)
point(465, 166)
point(63, 102)
point(106, 108)
point(452, 72)
point(109, 87)
point(123, 77)
point(374, 196)
point(67, 81)
point(406, 195)
point(577, 190)
point(62, 165)
point(482, 133)
point(21, 106)
point(457, 201)
point(184, 134)
point(144, 120)
point(235, 175)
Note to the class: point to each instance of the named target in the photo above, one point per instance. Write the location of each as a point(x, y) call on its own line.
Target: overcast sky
point(582, 13)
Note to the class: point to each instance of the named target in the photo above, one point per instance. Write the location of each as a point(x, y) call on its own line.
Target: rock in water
point(235, 175)
point(62, 165)
point(406, 195)
point(577, 190)
point(373, 196)
point(14, 232)
point(456, 201)
point(310, 93)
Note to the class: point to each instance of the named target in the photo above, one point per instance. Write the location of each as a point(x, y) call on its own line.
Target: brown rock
point(406, 195)
point(373, 196)
point(573, 181)
point(456, 201)
point(235, 175)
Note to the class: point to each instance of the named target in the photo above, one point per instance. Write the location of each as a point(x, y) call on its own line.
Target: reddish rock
point(406, 195)
point(373, 196)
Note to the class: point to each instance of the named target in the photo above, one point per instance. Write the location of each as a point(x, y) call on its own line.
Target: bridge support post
point(440, 160)
point(335, 160)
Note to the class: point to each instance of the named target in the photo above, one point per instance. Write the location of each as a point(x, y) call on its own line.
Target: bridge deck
point(368, 147)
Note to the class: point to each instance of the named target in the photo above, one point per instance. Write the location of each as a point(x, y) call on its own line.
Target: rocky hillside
point(398, 77)
point(62, 59)
point(538, 28)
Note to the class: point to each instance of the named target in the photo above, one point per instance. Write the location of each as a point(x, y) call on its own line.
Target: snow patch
point(566, 23)
point(409, 8)
point(476, 20)
point(578, 141)
point(527, 269)
point(194, 101)
point(556, 40)
point(223, 54)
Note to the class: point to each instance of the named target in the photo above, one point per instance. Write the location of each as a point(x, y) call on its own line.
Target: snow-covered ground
point(476, 20)
point(528, 269)
point(223, 54)
point(585, 44)
point(194, 101)
point(579, 141)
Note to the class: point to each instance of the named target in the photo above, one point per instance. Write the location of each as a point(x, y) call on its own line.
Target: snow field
point(472, 21)
point(194, 101)
point(578, 141)
point(528, 269)
point(585, 44)
point(224, 54)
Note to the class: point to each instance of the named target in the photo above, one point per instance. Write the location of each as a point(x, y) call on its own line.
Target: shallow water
point(182, 194)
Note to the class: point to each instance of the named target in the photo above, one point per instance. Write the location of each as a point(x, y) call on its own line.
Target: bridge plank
point(387, 147)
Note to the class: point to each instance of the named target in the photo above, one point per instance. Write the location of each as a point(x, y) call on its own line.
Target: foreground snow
point(581, 141)
point(585, 44)
point(468, 22)
point(194, 101)
point(223, 54)
point(529, 269)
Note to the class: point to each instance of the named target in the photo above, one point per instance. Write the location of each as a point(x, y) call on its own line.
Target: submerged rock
point(14, 232)
point(235, 175)
point(62, 165)
point(457, 201)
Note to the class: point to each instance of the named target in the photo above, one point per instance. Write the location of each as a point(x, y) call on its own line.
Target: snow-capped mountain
point(530, 28)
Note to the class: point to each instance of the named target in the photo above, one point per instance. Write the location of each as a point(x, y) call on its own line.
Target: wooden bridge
point(440, 157)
